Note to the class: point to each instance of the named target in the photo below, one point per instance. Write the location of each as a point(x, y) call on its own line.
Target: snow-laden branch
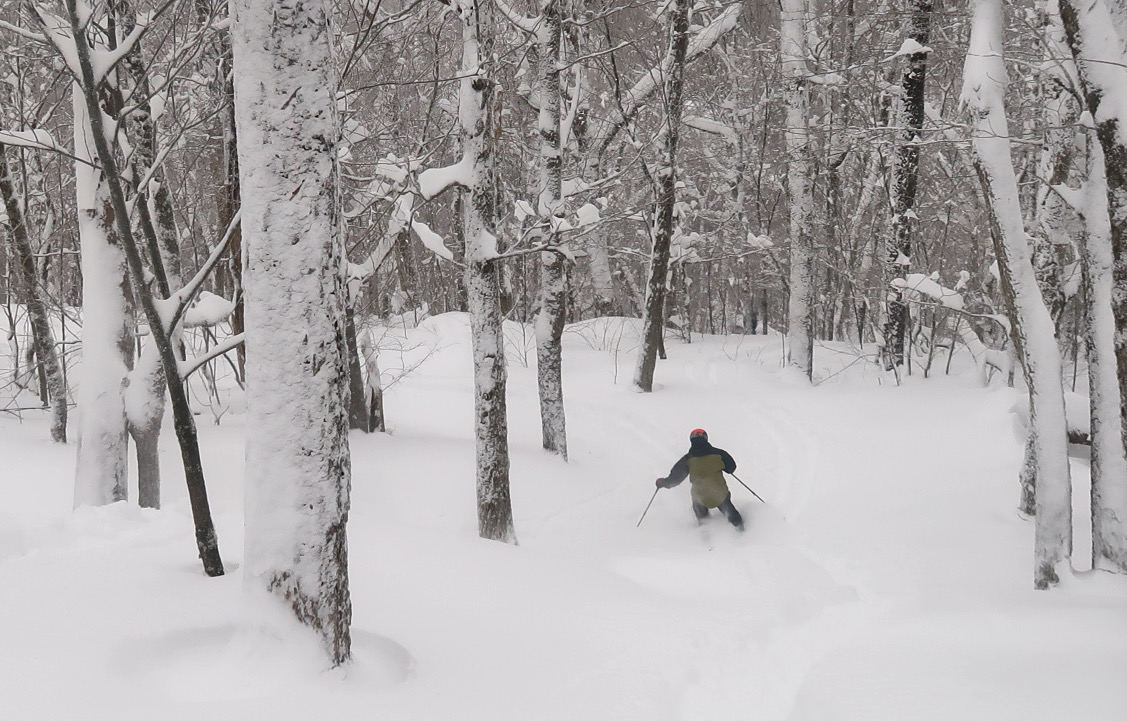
point(432, 240)
point(187, 368)
point(523, 22)
point(36, 139)
point(701, 41)
point(103, 61)
point(172, 309)
point(1074, 198)
point(713, 127)
point(23, 32)
point(435, 181)
point(910, 46)
point(60, 35)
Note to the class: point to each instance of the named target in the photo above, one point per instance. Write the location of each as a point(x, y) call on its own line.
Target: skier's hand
point(662, 483)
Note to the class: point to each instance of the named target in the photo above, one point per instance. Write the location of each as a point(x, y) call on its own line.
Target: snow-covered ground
point(888, 577)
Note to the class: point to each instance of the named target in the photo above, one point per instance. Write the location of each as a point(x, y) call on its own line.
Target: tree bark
point(476, 114)
point(673, 79)
point(298, 466)
point(1098, 50)
point(553, 266)
point(1109, 463)
point(905, 180)
point(1031, 327)
point(206, 541)
point(43, 338)
point(101, 475)
point(800, 311)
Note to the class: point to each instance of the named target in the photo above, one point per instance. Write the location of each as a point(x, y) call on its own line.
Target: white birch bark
point(553, 266)
point(1030, 323)
point(1094, 33)
point(297, 457)
point(800, 311)
point(482, 277)
point(43, 338)
point(102, 467)
point(1109, 464)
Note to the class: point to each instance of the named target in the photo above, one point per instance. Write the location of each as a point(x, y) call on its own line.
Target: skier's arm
point(729, 462)
point(678, 473)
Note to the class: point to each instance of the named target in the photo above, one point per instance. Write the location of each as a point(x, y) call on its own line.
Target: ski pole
point(647, 507)
point(733, 475)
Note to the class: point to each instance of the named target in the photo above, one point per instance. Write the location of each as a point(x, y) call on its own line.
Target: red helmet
point(698, 433)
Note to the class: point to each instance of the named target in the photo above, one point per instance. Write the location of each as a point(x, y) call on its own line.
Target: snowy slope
point(889, 578)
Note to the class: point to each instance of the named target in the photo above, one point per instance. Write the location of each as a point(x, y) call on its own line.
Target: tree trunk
point(298, 467)
point(144, 410)
point(800, 311)
point(145, 392)
point(1031, 326)
point(476, 113)
point(1102, 64)
point(185, 425)
point(1109, 463)
point(101, 475)
point(553, 266)
point(357, 408)
point(43, 339)
point(905, 174)
point(673, 78)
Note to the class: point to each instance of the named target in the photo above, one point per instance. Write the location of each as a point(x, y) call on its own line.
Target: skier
point(705, 466)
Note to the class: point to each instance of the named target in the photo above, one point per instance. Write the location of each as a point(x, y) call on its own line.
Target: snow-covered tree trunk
point(904, 181)
point(553, 265)
point(101, 475)
point(1031, 326)
point(89, 65)
point(476, 115)
point(144, 412)
point(145, 392)
point(800, 169)
point(43, 338)
point(297, 458)
point(673, 79)
point(1100, 52)
point(1056, 227)
point(373, 389)
point(1109, 464)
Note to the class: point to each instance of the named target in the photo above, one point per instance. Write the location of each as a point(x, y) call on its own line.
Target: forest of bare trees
point(191, 187)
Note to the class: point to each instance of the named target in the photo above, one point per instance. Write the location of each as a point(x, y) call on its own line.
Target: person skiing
point(705, 466)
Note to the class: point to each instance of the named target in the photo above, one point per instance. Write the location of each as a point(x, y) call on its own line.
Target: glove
point(663, 483)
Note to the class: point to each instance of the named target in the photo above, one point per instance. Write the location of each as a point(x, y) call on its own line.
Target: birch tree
point(43, 338)
point(1100, 54)
point(475, 175)
point(1109, 464)
point(800, 311)
point(547, 32)
point(297, 457)
point(90, 67)
point(1031, 326)
point(101, 474)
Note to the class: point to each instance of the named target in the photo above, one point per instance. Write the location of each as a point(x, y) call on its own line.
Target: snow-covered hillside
point(887, 579)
